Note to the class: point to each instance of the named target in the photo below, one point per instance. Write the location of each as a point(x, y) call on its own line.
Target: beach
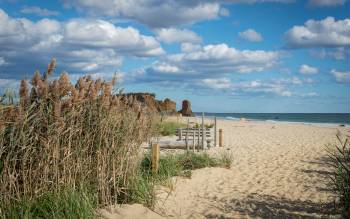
point(278, 171)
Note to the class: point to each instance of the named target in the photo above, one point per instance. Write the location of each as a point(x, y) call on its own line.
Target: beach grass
point(66, 203)
point(339, 155)
point(60, 136)
point(166, 128)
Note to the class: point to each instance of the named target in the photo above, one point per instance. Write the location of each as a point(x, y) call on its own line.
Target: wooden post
point(155, 158)
point(220, 137)
point(180, 134)
point(198, 136)
point(215, 130)
point(203, 134)
point(193, 140)
point(188, 124)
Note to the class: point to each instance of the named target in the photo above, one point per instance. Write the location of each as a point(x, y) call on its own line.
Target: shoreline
point(317, 124)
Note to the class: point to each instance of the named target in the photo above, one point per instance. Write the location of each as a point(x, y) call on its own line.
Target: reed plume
point(68, 136)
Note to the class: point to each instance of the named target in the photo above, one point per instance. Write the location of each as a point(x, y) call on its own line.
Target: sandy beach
point(278, 171)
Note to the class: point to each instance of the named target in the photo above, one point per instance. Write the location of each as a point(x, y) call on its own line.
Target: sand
point(278, 171)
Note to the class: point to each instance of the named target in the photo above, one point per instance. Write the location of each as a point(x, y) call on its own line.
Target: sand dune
point(278, 171)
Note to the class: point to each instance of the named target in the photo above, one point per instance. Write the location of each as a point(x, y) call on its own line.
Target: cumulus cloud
point(308, 70)
point(42, 12)
point(218, 59)
point(324, 33)
point(153, 13)
point(190, 47)
point(80, 44)
point(173, 35)
point(341, 76)
point(326, 3)
point(165, 13)
point(251, 35)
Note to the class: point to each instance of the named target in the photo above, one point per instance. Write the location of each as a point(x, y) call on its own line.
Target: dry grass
point(62, 135)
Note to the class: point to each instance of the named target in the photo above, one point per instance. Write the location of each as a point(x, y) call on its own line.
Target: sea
point(306, 118)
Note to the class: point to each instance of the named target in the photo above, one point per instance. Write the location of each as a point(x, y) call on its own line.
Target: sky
point(239, 56)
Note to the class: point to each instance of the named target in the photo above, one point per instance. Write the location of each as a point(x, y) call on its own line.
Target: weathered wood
point(215, 130)
point(188, 125)
point(198, 138)
point(220, 137)
point(180, 134)
point(155, 158)
point(203, 138)
point(193, 141)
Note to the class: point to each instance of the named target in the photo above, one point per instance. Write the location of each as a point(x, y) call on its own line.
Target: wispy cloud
point(341, 76)
point(42, 12)
point(326, 3)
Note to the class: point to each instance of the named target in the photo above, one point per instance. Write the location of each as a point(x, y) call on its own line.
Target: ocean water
point(318, 118)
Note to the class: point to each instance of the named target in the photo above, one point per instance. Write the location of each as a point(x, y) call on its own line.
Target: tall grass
point(340, 161)
point(62, 136)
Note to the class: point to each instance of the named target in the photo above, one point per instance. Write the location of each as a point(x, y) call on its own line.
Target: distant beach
point(334, 119)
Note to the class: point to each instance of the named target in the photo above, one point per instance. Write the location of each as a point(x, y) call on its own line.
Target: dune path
point(279, 171)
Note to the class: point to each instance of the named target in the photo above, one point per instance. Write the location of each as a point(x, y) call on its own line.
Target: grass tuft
point(63, 204)
point(169, 128)
point(339, 155)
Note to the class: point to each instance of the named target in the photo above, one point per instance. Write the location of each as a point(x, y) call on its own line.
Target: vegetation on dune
point(339, 155)
point(61, 137)
point(168, 128)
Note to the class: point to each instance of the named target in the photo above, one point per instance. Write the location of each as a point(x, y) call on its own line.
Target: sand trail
point(278, 171)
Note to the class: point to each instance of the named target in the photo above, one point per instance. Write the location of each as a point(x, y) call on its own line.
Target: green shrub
point(340, 161)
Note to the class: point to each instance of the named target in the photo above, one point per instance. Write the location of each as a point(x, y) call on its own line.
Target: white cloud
point(153, 13)
point(42, 12)
point(102, 34)
point(326, 3)
point(156, 13)
point(308, 70)
point(173, 35)
point(165, 68)
point(217, 83)
point(190, 47)
point(78, 44)
point(251, 35)
point(341, 77)
point(324, 33)
point(221, 59)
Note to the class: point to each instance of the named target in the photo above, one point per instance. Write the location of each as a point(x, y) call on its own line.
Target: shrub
point(340, 161)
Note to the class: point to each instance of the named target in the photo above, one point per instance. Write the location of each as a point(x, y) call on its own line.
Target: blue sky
point(224, 55)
